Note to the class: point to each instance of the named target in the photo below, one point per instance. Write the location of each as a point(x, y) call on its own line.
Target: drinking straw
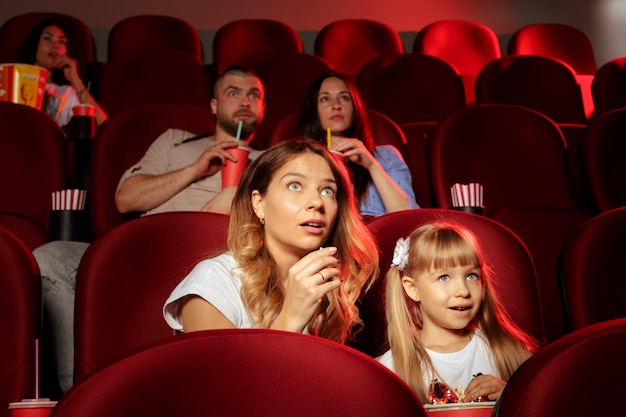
point(36, 369)
point(239, 130)
point(328, 138)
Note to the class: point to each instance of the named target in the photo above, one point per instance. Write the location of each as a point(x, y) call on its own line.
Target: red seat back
point(20, 304)
point(590, 265)
point(154, 77)
point(122, 141)
point(348, 44)
point(127, 274)
point(540, 83)
point(513, 271)
point(33, 161)
point(139, 33)
point(542, 386)
point(563, 42)
point(242, 372)
point(240, 40)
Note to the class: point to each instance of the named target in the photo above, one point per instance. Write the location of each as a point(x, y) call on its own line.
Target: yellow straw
point(328, 138)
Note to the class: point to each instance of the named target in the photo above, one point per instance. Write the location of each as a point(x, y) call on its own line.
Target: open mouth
point(461, 308)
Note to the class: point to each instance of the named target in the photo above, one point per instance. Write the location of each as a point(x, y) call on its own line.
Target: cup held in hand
point(233, 171)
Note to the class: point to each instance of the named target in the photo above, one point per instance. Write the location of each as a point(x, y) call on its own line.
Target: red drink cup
point(233, 171)
point(84, 110)
point(41, 407)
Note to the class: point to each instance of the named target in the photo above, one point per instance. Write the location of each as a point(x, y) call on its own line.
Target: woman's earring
point(262, 220)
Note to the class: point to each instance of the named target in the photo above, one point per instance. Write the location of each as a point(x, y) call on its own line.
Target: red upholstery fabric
point(127, 274)
point(242, 372)
point(349, 43)
point(122, 141)
point(139, 33)
point(20, 305)
point(32, 233)
point(517, 154)
point(80, 46)
point(513, 271)
point(240, 40)
point(609, 86)
point(544, 231)
point(563, 42)
point(417, 135)
point(468, 46)
point(540, 83)
point(412, 88)
point(33, 161)
point(583, 361)
point(286, 77)
point(154, 77)
point(590, 267)
point(603, 152)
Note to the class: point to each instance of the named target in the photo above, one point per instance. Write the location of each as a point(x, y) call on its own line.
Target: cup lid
point(33, 403)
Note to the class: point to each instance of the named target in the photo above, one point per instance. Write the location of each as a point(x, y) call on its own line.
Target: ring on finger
point(323, 278)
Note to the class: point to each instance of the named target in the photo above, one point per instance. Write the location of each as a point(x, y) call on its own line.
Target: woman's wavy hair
point(28, 51)
point(262, 293)
point(443, 245)
point(309, 125)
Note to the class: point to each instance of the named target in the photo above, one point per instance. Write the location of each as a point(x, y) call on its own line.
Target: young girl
point(449, 338)
point(382, 180)
point(299, 255)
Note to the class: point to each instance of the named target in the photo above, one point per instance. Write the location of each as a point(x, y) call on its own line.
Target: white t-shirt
point(457, 368)
point(217, 280)
point(58, 102)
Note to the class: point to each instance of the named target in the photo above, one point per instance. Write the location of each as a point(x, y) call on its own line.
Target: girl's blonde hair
point(436, 246)
point(262, 294)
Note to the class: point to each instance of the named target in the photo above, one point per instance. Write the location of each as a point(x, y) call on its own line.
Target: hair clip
point(401, 253)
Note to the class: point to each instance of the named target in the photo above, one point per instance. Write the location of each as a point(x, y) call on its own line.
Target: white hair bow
point(401, 253)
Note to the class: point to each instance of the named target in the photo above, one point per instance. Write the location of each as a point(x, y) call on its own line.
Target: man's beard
point(231, 127)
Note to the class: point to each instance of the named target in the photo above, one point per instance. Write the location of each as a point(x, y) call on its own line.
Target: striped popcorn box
point(73, 199)
point(468, 197)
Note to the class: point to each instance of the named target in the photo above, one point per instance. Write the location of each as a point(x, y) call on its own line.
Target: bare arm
point(198, 314)
point(71, 74)
point(393, 197)
point(145, 192)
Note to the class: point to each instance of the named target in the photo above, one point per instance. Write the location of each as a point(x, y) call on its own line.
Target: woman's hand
point(306, 284)
point(70, 71)
point(486, 386)
point(354, 150)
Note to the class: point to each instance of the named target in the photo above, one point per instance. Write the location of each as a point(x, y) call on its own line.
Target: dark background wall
point(602, 20)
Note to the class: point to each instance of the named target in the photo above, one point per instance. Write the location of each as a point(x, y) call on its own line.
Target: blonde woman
point(299, 255)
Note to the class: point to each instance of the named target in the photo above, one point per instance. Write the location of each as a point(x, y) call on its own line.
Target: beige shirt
point(168, 153)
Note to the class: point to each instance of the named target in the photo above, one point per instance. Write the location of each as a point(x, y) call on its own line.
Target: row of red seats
point(345, 45)
point(470, 50)
point(518, 155)
point(589, 265)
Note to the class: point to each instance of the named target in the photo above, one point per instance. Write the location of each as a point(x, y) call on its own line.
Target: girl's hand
point(486, 386)
point(308, 281)
point(353, 150)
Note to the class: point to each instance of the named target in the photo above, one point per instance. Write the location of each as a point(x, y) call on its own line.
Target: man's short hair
point(239, 70)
